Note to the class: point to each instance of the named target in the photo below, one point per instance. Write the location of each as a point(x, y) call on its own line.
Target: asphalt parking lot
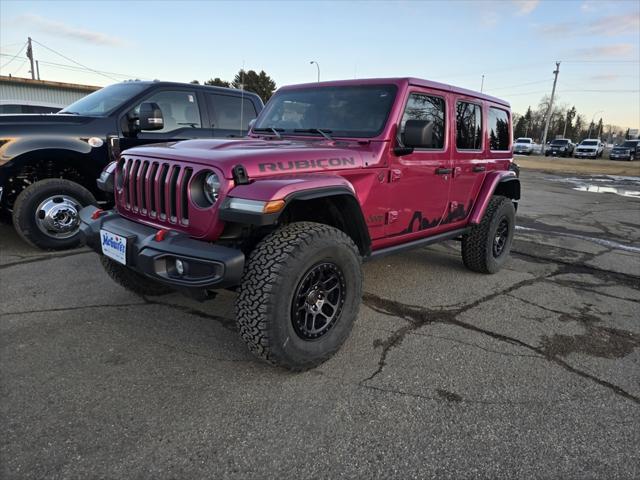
point(530, 373)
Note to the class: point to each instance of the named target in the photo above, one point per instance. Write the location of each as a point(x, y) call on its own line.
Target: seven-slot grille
point(156, 189)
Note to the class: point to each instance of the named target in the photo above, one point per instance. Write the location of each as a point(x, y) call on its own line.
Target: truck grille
point(154, 188)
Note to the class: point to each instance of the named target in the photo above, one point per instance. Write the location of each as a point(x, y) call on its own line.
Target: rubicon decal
point(306, 164)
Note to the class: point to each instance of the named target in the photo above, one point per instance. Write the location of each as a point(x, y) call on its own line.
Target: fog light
point(179, 266)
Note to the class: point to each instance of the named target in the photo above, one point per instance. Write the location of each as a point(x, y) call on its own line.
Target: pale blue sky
point(514, 43)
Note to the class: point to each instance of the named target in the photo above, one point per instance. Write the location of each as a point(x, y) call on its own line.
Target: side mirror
point(251, 124)
point(150, 117)
point(418, 134)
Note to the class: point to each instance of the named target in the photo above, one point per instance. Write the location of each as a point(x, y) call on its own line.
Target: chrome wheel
point(57, 216)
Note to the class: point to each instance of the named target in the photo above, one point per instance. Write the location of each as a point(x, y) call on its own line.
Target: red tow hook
point(96, 214)
point(160, 234)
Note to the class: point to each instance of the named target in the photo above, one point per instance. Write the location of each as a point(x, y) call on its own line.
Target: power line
point(14, 56)
point(65, 66)
point(546, 80)
point(77, 63)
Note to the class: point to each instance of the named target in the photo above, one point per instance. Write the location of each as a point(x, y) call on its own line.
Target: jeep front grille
point(156, 189)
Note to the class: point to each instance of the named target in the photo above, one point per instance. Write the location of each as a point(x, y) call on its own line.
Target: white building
point(23, 95)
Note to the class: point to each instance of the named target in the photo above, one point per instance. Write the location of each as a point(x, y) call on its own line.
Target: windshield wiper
point(325, 133)
point(70, 113)
point(276, 131)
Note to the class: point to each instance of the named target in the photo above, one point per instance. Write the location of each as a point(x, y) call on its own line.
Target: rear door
point(469, 159)
point(229, 115)
point(419, 182)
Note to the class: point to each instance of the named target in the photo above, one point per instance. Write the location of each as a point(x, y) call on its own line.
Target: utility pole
point(30, 57)
point(553, 94)
point(38, 69)
point(317, 66)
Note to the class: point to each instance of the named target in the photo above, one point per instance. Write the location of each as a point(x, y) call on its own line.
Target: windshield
point(358, 111)
point(559, 142)
point(630, 144)
point(523, 140)
point(105, 100)
point(589, 142)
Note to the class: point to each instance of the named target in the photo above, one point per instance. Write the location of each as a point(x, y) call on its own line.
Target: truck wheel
point(132, 280)
point(486, 247)
point(45, 213)
point(300, 295)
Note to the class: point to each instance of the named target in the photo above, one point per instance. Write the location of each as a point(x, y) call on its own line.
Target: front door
point(182, 115)
point(419, 182)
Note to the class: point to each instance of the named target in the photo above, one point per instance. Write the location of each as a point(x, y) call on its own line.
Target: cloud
point(612, 25)
point(607, 77)
point(525, 7)
point(60, 29)
point(617, 50)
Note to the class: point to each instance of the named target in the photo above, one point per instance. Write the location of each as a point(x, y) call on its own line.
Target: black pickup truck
point(49, 163)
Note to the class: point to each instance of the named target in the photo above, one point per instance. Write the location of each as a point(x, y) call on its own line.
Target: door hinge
point(394, 175)
point(392, 216)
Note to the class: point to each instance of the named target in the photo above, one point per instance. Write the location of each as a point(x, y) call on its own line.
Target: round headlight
point(211, 187)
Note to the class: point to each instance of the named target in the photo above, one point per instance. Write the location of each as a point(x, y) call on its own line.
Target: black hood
point(44, 118)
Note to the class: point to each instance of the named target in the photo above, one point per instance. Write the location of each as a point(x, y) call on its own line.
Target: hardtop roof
point(403, 81)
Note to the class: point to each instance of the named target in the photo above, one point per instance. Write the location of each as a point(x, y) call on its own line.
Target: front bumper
point(591, 154)
point(620, 155)
point(206, 265)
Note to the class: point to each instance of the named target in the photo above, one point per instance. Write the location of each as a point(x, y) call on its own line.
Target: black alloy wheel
point(318, 300)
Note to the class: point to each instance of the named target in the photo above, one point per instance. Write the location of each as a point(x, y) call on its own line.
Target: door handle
point(443, 171)
point(478, 168)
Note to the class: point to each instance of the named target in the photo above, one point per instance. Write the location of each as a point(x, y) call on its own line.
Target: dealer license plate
point(114, 246)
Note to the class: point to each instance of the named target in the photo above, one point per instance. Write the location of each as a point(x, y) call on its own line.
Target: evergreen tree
point(259, 83)
point(217, 82)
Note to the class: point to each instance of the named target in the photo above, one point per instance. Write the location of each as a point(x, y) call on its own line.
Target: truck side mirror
point(150, 117)
point(251, 124)
point(418, 134)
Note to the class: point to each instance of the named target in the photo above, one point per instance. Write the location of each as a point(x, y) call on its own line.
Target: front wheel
point(45, 213)
point(299, 295)
point(486, 247)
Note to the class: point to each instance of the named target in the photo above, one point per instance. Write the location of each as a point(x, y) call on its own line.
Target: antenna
point(241, 96)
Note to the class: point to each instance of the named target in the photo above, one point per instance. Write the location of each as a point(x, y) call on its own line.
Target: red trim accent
point(160, 234)
point(96, 214)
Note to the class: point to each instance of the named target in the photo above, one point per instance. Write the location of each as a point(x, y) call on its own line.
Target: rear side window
point(230, 112)
point(498, 129)
point(469, 126)
point(426, 107)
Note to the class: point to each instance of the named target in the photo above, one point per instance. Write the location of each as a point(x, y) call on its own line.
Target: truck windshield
point(102, 102)
point(358, 111)
point(559, 142)
point(589, 142)
point(523, 140)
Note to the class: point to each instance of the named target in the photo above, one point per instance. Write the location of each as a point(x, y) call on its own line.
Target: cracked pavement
point(533, 372)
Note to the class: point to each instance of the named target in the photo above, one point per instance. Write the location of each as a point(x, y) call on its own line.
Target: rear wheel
point(486, 247)
point(132, 280)
point(300, 295)
point(45, 214)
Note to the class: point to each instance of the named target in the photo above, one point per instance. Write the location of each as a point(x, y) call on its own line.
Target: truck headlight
point(211, 187)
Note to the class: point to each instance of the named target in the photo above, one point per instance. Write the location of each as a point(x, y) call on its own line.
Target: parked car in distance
point(562, 147)
point(524, 145)
point(333, 173)
point(49, 163)
point(628, 150)
point(589, 148)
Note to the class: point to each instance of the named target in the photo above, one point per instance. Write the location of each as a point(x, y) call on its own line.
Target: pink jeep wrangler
point(331, 174)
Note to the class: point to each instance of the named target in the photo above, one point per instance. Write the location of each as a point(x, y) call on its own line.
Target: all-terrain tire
point(132, 280)
point(26, 206)
point(479, 245)
point(274, 274)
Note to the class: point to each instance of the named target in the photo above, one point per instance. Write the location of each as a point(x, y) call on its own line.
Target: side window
point(426, 107)
point(469, 126)
point(230, 112)
point(179, 109)
point(498, 129)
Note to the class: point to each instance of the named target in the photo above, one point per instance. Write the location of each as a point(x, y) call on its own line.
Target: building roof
point(48, 83)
